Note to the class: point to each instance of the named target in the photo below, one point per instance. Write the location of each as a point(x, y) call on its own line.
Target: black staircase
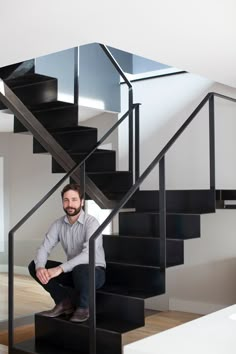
point(134, 261)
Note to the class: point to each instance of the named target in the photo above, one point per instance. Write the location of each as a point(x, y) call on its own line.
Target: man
point(68, 282)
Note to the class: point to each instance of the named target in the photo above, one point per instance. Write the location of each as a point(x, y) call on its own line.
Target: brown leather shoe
point(65, 307)
point(80, 315)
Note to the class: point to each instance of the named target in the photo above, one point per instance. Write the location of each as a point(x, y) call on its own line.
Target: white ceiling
point(197, 36)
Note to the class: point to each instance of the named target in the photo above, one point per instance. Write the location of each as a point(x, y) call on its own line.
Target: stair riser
point(96, 163)
point(186, 201)
point(111, 183)
point(37, 93)
point(17, 69)
point(115, 307)
point(74, 142)
point(71, 336)
point(142, 251)
point(132, 277)
point(58, 118)
point(147, 224)
point(21, 351)
point(226, 195)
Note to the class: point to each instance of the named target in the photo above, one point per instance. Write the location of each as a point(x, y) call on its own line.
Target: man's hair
point(73, 187)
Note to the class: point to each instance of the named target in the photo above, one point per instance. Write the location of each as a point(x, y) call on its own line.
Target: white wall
point(1, 204)
point(207, 279)
point(28, 178)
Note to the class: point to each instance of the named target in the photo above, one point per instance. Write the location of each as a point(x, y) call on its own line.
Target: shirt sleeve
point(91, 226)
point(50, 241)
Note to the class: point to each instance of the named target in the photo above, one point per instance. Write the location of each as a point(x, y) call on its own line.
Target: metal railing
point(26, 118)
point(160, 158)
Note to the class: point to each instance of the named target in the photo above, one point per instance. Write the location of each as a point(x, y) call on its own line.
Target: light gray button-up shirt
point(74, 239)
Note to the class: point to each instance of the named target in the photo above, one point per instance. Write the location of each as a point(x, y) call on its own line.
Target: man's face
point(72, 203)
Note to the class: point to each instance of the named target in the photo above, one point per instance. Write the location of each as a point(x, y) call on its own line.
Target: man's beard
point(72, 211)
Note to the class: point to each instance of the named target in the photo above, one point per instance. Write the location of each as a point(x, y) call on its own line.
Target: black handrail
point(162, 204)
point(116, 65)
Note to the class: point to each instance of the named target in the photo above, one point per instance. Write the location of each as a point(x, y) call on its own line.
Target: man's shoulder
point(90, 219)
point(59, 221)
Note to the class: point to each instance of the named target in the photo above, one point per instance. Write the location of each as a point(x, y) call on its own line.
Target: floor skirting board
point(194, 306)
point(17, 269)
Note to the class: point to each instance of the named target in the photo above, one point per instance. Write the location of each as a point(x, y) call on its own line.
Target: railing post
point(137, 144)
point(212, 141)
point(10, 290)
point(82, 179)
point(76, 76)
point(162, 214)
point(131, 134)
point(92, 299)
point(130, 98)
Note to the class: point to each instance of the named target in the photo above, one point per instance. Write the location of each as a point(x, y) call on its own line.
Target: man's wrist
point(61, 269)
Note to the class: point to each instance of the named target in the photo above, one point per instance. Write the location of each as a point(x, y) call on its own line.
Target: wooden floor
point(31, 298)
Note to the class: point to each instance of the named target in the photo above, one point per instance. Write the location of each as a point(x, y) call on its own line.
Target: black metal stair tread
point(226, 194)
point(157, 213)
point(27, 80)
point(54, 105)
point(138, 237)
point(107, 290)
point(121, 263)
point(98, 151)
point(102, 324)
point(110, 173)
point(117, 326)
point(128, 292)
point(29, 346)
point(188, 201)
point(71, 129)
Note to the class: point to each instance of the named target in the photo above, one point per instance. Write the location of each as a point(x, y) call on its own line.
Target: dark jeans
point(73, 285)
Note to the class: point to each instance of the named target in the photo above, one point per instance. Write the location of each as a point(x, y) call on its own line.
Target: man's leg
point(81, 283)
point(60, 289)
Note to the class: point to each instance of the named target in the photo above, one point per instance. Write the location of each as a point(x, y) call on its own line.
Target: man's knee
point(81, 268)
point(80, 273)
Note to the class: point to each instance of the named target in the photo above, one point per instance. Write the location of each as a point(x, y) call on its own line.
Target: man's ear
point(82, 202)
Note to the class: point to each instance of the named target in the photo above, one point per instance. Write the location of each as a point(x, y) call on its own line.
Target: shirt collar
point(79, 220)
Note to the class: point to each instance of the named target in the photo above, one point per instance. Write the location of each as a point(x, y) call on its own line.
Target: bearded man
point(68, 282)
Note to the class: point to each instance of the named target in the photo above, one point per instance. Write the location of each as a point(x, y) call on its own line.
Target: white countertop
point(211, 334)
